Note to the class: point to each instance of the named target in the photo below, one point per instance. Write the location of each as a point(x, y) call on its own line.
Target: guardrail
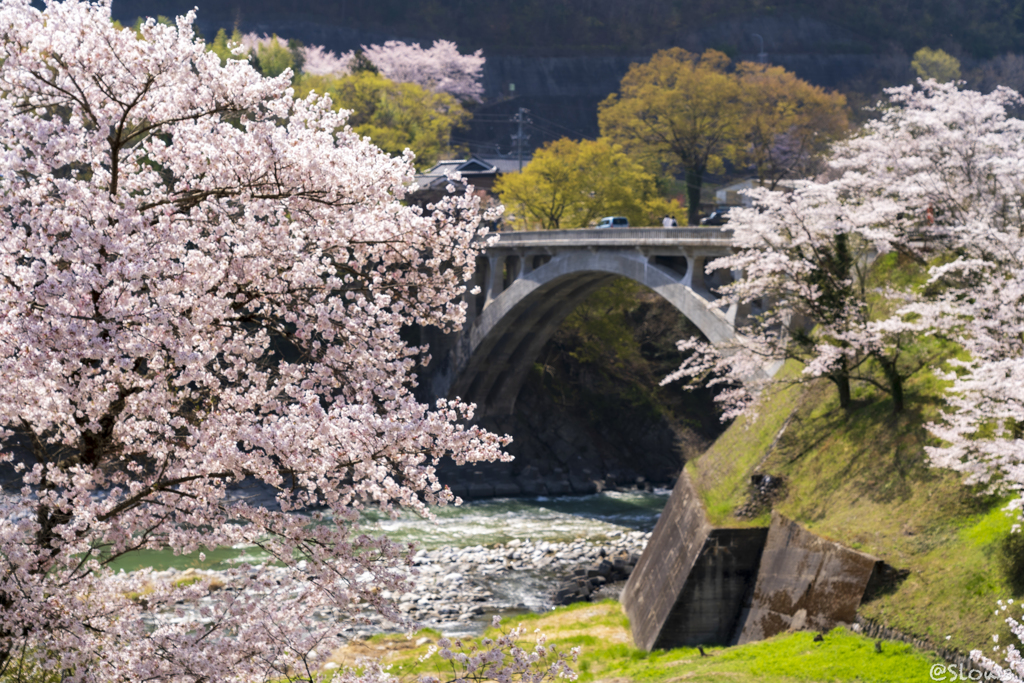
point(616, 237)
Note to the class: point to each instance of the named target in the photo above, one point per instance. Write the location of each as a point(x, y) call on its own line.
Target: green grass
point(741, 450)
point(862, 478)
point(607, 654)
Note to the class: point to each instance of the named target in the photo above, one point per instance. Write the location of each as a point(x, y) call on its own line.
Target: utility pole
point(520, 138)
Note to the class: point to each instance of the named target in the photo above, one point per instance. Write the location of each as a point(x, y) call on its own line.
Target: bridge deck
point(617, 237)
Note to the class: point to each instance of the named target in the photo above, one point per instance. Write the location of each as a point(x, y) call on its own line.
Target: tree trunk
point(895, 384)
point(842, 383)
point(694, 179)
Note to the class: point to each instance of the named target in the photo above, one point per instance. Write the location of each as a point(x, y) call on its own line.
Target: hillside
point(559, 60)
point(572, 27)
point(862, 479)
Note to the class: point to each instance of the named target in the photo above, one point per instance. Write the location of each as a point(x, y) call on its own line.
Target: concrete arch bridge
point(530, 281)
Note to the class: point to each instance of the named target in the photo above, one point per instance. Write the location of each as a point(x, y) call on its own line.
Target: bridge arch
point(530, 285)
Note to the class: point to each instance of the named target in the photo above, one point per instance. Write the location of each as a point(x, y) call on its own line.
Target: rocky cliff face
point(592, 416)
point(562, 450)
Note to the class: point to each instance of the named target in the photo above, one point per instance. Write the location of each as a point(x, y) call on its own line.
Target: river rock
point(455, 588)
point(590, 583)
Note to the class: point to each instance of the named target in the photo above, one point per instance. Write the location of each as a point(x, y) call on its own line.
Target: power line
point(549, 131)
point(565, 128)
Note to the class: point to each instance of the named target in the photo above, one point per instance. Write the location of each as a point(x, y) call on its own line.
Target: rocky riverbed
point(455, 589)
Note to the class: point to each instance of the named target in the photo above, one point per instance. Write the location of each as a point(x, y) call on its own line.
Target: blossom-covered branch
point(202, 283)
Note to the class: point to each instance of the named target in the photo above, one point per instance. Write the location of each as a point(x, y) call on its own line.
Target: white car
point(614, 222)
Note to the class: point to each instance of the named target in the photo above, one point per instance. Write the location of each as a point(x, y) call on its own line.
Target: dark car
point(717, 217)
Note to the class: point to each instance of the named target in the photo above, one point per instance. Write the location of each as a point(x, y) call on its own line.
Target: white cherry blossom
point(440, 67)
point(203, 283)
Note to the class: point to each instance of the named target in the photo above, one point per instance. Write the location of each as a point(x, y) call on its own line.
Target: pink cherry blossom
point(440, 68)
point(319, 61)
point(203, 282)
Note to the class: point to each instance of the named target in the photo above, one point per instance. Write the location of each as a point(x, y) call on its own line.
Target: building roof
point(468, 168)
point(472, 170)
point(731, 195)
point(505, 165)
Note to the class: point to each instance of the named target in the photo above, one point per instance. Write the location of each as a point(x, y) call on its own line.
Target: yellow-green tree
point(679, 111)
point(274, 57)
point(790, 123)
point(692, 113)
point(569, 184)
point(222, 44)
point(937, 64)
point(395, 116)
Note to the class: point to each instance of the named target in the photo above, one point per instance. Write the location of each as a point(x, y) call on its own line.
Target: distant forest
point(976, 29)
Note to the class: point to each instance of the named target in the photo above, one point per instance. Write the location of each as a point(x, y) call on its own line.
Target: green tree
point(361, 63)
point(790, 123)
point(222, 44)
point(568, 184)
point(690, 113)
point(395, 116)
point(274, 57)
point(936, 64)
point(679, 111)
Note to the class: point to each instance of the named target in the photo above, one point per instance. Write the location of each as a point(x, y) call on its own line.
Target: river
point(482, 522)
point(500, 520)
point(499, 555)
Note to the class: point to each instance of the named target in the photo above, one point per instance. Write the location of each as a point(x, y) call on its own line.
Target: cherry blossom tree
point(202, 284)
point(951, 159)
point(440, 68)
point(933, 177)
point(318, 61)
point(971, 177)
point(957, 157)
point(807, 294)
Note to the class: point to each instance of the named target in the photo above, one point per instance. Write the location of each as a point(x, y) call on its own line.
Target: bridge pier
point(496, 279)
point(694, 278)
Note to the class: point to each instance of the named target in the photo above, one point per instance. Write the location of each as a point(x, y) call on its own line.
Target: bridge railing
point(616, 237)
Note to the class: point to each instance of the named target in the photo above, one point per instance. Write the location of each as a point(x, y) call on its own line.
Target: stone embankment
point(603, 579)
point(454, 589)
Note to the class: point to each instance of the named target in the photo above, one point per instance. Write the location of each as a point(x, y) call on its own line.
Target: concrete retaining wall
point(714, 593)
point(697, 585)
point(652, 593)
point(804, 582)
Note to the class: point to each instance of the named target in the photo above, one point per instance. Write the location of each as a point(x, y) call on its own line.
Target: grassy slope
point(862, 479)
point(607, 654)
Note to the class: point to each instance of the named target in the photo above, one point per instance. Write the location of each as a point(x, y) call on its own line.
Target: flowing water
point(466, 554)
point(485, 522)
point(500, 520)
